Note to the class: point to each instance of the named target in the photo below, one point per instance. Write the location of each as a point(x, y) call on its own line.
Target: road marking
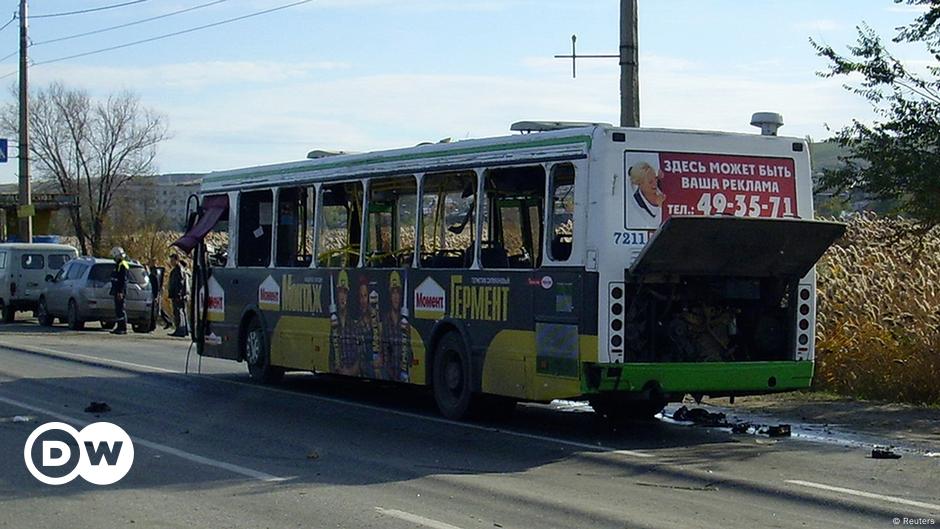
point(237, 469)
point(414, 518)
point(863, 494)
point(440, 420)
point(87, 358)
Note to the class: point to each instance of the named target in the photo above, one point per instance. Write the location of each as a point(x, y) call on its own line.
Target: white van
point(23, 271)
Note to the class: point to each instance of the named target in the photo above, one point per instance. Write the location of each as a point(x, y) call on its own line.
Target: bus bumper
point(711, 378)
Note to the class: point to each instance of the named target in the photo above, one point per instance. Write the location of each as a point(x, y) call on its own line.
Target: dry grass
point(879, 313)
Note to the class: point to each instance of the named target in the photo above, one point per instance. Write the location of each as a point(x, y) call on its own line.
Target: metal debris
point(98, 407)
point(883, 452)
point(700, 416)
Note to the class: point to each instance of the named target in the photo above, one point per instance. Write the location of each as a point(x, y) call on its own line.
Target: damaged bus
point(625, 267)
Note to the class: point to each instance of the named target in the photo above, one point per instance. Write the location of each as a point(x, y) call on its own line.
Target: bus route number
point(629, 238)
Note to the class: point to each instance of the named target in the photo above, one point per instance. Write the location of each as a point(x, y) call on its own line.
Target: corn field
point(878, 323)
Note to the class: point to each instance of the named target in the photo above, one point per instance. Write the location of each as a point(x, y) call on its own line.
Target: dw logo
point(102, 453)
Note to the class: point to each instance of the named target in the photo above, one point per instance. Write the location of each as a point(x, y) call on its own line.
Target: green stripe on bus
point(703, 377)
point(586, 140)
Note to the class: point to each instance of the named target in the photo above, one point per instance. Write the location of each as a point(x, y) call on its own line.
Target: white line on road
point(414, 518)
point(863, 494)
point(254, 474)
point(294, 394)
point(87, 358)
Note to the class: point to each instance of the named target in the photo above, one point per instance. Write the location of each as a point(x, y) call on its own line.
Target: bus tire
point(451, 378)
point(257, 354)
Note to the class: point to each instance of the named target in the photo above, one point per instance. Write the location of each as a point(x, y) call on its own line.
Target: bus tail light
point(804, 330)
point(615, 314)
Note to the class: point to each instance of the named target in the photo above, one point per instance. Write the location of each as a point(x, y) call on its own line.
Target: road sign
point(26, 211)
point(3, 150)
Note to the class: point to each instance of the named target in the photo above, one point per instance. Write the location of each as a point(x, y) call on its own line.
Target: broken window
point(447, 224)
point(255, 216)
point(512, 229)
point(340, 228)
point(561, 218)
point(391, 224)
point(295, 227)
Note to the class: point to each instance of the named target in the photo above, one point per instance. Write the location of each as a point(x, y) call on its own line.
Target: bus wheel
point(257, 354)
point(452, 386)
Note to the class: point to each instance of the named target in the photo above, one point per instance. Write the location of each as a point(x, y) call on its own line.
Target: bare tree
point(90, 149)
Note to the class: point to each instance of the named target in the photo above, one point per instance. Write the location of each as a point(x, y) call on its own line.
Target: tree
point(896, 158)
point(90, 149)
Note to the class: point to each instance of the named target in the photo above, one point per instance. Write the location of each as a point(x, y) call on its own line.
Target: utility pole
point(629, 64)
point(24, 212)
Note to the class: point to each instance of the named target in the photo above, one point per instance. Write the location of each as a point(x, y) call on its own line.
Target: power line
point(175, 33)
point(134, 23)
point(12, 20)
point(91, 10)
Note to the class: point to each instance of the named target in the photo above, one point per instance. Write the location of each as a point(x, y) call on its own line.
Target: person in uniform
point(178, 290)
point(367, 332)
point(396, 331)
point(119, 288)
point(344, 357)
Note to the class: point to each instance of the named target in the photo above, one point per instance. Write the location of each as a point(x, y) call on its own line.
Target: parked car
point(22, 269)
point(81, 292)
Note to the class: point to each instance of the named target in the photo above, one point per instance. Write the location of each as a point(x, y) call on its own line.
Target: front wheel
point(42, 314)
point(74, 320)
point(257, 354)
point(451, 378)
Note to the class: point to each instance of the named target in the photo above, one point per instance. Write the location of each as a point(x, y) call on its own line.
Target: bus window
point(391, 225)
point(339, 231)
point(255, 214)
point(562, 211)
point(294, 227)
point(449, 200)
point(512, 229)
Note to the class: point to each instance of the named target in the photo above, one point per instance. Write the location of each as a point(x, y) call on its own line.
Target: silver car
point(80, 292)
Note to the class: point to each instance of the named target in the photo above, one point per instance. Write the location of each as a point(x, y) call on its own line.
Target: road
point(215, 450)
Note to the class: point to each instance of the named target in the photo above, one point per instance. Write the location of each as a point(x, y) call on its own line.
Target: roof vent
point(526, 127)
point(768, 122)
point(319, 153)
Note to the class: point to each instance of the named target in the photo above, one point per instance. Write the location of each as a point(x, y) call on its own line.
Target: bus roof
point(37, 247)
point(567, 144)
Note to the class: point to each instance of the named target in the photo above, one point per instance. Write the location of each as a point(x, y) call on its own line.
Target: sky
point(362, 75)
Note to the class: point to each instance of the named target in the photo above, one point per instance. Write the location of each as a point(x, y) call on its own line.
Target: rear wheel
point(257, 354)
point(7, 314)
point(451, 379)
point(74, 320)
point(42, 314)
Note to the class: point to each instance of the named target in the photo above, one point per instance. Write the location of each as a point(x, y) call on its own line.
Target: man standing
point(178, 293)
point(119, 288)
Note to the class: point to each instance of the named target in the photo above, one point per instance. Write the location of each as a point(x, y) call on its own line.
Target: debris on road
point(313, 454)
point(882, 452)
point(20, 418)
point(17, 418)
point(98, 407)
point(781, 430)
point(700, 416)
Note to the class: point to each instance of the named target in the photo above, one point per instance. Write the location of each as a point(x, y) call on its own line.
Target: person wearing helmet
point(396, 329)
point(119, 288)
point(344, 359)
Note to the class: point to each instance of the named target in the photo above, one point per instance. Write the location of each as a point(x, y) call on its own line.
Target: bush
point(878, 320)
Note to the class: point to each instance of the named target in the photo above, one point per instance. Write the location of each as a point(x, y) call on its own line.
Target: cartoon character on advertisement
point(397, 333)
point(344, 356)
point(645, 205)
point(368, 331)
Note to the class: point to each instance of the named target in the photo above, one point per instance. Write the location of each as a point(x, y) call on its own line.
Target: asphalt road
point(215, 450)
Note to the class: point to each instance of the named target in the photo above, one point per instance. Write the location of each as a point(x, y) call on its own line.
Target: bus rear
point(706, 266)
